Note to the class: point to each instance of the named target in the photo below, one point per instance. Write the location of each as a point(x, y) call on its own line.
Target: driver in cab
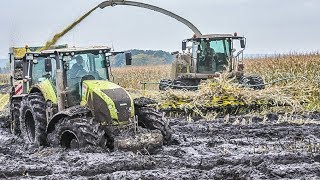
point(209, 57)
point(77, 67)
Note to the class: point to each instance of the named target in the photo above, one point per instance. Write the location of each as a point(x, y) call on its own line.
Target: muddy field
point(241, 148)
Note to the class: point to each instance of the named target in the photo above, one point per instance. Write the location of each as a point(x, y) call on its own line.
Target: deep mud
point(218, 149)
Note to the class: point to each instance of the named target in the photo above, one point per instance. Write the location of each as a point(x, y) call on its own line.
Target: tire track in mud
point(202, 150)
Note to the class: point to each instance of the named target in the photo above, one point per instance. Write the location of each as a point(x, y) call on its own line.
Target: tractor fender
point(46, 89)
point(75, 111)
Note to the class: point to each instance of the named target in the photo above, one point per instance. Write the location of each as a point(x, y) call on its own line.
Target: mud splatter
point(263, 149)
point(57, 36)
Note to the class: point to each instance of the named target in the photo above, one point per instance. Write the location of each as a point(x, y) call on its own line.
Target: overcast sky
point(270, 25)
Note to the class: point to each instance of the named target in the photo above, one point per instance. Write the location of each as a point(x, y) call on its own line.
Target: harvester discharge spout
point(151, 7)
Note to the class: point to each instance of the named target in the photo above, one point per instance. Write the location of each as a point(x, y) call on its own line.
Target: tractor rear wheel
point(76, 133)
point(33, 121)
point(14, 124)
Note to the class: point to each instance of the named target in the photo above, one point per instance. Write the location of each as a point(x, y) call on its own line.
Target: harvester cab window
point(207, 61)
point(195, 47)
point(220, 46)
point(213, 55)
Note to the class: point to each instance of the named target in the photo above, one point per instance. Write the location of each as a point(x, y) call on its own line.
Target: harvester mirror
point(48, 65)
point(128, 58)
point(184, 45)
point(242, 43)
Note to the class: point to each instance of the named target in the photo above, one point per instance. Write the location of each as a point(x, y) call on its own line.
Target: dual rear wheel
point(30, 122)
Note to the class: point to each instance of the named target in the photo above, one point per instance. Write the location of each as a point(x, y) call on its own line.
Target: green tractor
point(63, 97)
point(206, 58)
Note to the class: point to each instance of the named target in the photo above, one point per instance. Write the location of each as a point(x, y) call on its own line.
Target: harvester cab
point(67, 100)
point(206, 57)
point(213, 53)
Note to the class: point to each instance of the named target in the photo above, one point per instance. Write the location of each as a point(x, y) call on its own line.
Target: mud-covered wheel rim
point(69, 140)
point(30, 125)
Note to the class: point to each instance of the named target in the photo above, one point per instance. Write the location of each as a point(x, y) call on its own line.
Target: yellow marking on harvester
point(4, 99)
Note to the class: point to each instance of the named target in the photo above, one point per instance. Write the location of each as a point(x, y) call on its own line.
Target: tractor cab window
point(213, 55)
point(84, 66)
point(88, 64)
point(38, 71)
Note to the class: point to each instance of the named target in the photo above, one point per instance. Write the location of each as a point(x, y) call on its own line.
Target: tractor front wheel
point(152, 119)
point(33, 121)
point(76, 133)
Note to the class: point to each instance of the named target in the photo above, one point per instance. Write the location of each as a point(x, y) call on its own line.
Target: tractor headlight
point(130, 109)
point(110, 106)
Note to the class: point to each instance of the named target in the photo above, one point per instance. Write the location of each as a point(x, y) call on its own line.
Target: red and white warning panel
point(18, 88)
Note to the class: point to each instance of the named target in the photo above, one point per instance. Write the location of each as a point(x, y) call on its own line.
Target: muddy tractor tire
point(76, 133)
point(165, 84)
point(255, 82)
point(33, 121)
point(14, 123)
point(152, 119)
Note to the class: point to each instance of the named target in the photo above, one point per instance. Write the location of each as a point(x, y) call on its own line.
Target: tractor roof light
point(29, 57)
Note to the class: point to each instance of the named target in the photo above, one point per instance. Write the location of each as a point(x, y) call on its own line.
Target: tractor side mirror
point(184, 46)
point(48, 65)
point(242, 43)
point(18, 64)
point(128, 58)
point(105, 63)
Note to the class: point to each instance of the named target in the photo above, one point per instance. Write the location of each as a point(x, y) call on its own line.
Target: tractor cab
point(76, 66)
point(215, 52)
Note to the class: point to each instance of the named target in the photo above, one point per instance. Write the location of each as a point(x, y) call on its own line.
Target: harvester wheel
point(33, 122)
point(164, 84)
point(76, 133)
point(185, 84)
point(253, 81)
point(15, 113)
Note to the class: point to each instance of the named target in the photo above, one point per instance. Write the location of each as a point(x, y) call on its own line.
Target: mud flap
point(142, 140)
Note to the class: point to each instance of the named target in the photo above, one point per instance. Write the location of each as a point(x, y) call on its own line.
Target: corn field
point(132, 77)
point(291, 79)
point(4, 78)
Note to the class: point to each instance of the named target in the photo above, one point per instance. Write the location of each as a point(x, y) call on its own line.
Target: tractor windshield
point(213, 55)
point(84, 66)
